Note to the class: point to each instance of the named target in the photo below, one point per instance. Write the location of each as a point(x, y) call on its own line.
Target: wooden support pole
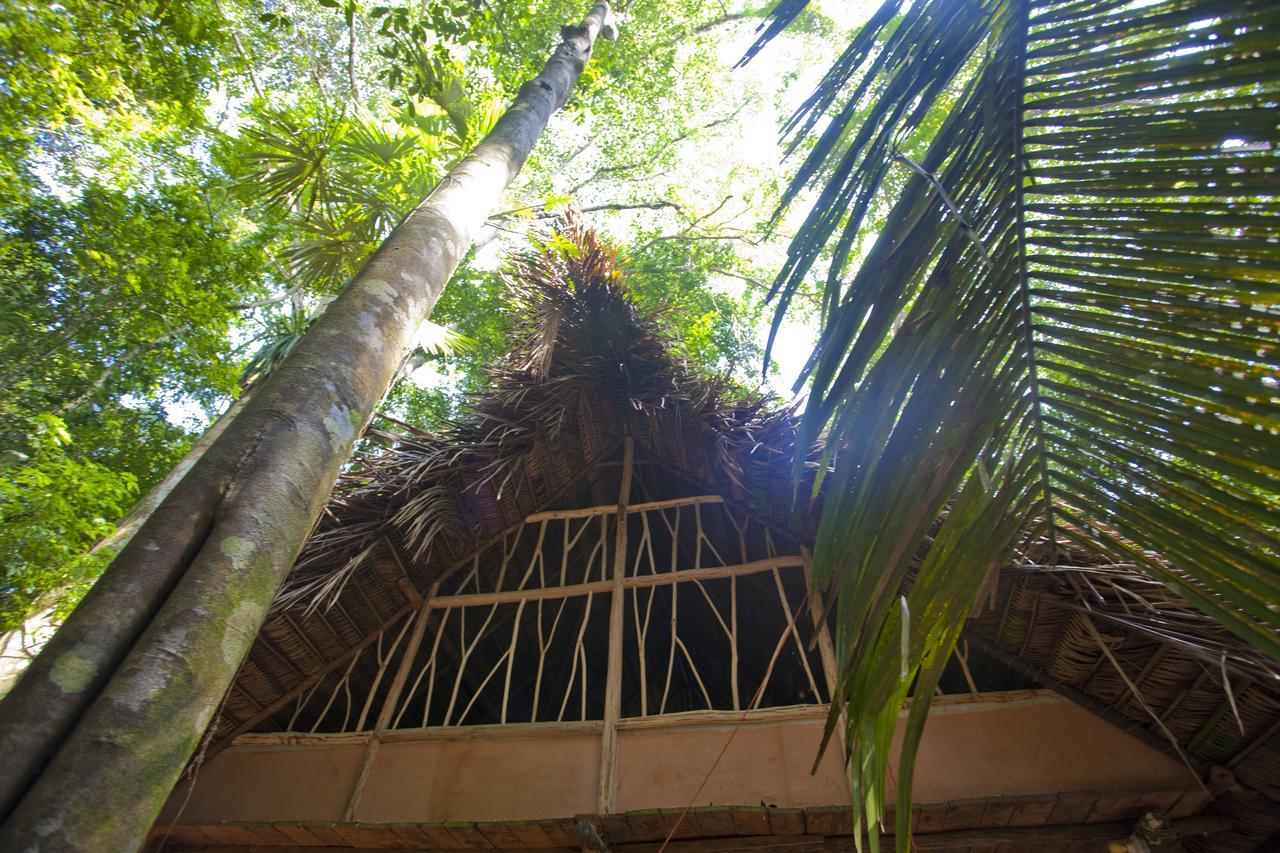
point(389, 704)
point(826, 650)
point(608, 788)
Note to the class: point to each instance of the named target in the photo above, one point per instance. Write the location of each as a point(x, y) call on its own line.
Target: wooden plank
point(750, 844)
point(998, 813)
point(367, 836)
point(488, 730)
point(440, 837)
point(931, 818)
point(269, 833)
point(561, 831)
point(500, 835)
point(963, 814)
point(1132, 804)
point(532, 833)
point(751, 717)
point(181, 834)
point(647, 825)
point(298, 833)
point(1032, 811)
point(326, 831)
point(1038, 838)
point(715, 821)
point(467, 833)
point(1073, 807)
point(787, 821)
point(615, 828)
point(227, 833)
point(410, 834)
point(680, 823)
point(824, 820)
point(1190, 803)
point(751, 820)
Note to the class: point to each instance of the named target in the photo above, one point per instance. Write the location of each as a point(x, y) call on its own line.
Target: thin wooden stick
point(671, 649)
point(536, 558)
point(467, 649)
point(334, 694)
point(382, 668)
point(475, 694)
point(641, 630)
point(568, 690)
point(795, 633)
point(432, 668)
point(511, 657)
point(702, 533)
point(733, 640)
point(826, 648)
point(693, 667)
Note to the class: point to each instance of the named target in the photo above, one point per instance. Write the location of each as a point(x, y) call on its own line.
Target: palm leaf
point(1066, 325)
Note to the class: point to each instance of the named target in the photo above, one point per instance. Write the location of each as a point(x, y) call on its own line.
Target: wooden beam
point(254, 837)
point(1021, 838)
point(513, 595)
point(609, 509)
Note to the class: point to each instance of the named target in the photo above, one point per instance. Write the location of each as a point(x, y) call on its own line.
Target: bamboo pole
point(97, 731)
point(510, 596)
point(609, 509)
point(608, 789)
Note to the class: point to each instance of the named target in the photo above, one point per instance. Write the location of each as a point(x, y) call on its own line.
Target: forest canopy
point(185, 185)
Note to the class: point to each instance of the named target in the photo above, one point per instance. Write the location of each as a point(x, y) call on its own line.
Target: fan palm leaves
point(343, 182)
point(1065, 326)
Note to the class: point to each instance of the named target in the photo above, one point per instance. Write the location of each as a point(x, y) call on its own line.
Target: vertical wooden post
point(389, 703)
point(608, 798)
point(826, 649)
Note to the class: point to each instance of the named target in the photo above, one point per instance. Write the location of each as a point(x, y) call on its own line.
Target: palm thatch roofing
point(587, 368)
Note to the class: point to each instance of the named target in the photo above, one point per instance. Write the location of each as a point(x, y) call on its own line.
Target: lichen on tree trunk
point(118, 701)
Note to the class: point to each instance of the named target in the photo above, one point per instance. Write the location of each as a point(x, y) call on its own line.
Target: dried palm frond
point(587, 367)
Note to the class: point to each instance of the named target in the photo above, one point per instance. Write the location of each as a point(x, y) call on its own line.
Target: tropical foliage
point(183, 186)
point(1063, 322)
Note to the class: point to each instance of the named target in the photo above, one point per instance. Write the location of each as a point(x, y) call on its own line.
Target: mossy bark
point(119, 699)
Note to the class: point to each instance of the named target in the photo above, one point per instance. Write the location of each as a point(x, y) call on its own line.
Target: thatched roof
point(588, 368)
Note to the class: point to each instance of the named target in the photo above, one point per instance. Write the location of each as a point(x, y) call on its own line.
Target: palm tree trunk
point(97, 731)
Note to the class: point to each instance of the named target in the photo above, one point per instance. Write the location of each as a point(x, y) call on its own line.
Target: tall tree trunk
point(120, 697)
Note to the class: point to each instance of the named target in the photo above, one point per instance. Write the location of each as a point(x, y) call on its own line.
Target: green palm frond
point(333, 248)
point(287, 158)
point(1065, 326)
